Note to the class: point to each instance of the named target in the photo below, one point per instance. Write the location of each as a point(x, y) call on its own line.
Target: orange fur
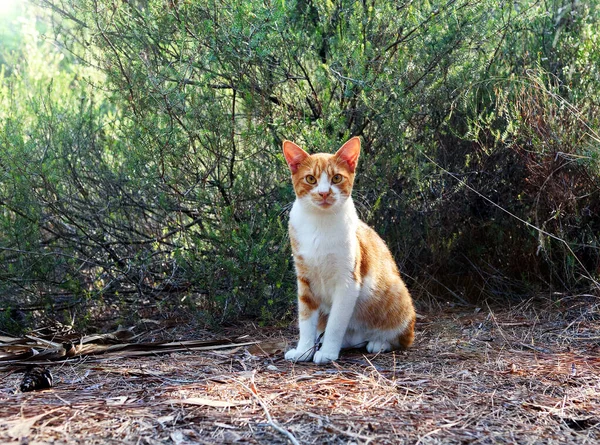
point(408, 336)
point(322, 323)
point(389, 301)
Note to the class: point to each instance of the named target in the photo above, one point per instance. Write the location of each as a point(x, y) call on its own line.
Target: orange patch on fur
point(322, 323)
point(307, 305)
point(389, 305)
point(408, 336)
point(309, 302)
point(364, 258)
point(304, 281)
point(293, 242)
point(301, 269)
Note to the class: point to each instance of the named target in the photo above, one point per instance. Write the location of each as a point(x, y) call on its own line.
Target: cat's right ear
point(350, 152)
point(294, 155)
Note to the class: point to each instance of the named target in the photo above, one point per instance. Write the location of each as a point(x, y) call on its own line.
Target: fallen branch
point(252, 390)
point(33, 350)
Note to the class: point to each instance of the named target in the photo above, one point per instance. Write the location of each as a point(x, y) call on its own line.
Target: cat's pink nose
point(324, 195)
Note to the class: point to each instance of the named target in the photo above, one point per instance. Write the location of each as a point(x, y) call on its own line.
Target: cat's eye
point(311, 179)
point(337, 179)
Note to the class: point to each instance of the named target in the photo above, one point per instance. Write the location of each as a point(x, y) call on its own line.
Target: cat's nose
point(324, 195)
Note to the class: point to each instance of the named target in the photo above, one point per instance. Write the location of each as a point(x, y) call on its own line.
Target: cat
point(349, 288)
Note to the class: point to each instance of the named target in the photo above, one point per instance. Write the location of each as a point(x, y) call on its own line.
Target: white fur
point(324, 184)
point(327, 242)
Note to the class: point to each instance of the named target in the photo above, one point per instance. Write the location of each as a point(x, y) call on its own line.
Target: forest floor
point(526, 375)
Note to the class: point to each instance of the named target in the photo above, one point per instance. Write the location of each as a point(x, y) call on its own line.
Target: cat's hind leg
point(379, 345)
point(354, 339)
point(392, 340)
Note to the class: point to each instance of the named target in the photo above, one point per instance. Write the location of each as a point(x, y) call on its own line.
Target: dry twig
point(253, 390)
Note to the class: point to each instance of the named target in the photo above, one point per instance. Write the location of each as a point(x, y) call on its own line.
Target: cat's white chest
point(327, 245)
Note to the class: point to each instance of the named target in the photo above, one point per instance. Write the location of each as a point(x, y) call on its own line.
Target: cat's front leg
point(308, 315)
point(342, 308)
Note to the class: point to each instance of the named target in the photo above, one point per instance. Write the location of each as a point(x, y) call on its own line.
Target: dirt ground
point(525, 375)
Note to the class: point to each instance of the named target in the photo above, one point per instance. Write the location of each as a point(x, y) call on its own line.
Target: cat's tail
point(406, 338)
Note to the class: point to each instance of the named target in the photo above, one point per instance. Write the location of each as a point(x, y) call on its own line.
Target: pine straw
point(472, 377)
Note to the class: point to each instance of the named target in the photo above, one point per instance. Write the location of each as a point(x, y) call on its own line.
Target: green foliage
point(140, 156)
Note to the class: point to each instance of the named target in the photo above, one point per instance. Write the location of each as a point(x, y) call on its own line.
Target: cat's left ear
point(349, 153)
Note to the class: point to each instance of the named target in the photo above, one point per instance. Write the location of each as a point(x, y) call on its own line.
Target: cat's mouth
point(324, 203)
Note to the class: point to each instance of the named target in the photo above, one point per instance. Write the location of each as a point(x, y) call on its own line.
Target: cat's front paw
point(325, 357)
point(299, 355)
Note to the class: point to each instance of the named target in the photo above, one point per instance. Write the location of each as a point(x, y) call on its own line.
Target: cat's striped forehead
point(319, 162)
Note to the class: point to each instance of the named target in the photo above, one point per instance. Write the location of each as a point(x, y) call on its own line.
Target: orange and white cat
point(349, 287)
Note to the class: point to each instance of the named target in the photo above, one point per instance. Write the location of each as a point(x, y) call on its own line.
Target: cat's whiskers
point(285, 209)
point(361, 205)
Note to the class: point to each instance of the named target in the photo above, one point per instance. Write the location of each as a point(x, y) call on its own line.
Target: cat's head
point(324, 181)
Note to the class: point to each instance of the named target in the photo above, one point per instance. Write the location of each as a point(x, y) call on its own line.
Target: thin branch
point(62, 12)
point(528, 224)
point(263, 405)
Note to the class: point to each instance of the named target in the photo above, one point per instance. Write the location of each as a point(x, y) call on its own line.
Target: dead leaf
point(304, 377)
point(165, 419)
point(268, 348)
point(231, 437)
point(22, 427)
point(224, 425)
point(177, 437)
point(116, 401)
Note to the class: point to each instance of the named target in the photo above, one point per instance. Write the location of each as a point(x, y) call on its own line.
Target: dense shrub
point(141, 162)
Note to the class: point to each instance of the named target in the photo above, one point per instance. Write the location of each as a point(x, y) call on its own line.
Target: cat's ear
point(349, 153)
point(294, 155)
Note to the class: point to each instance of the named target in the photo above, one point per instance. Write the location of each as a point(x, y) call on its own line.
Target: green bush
point(141, 165)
